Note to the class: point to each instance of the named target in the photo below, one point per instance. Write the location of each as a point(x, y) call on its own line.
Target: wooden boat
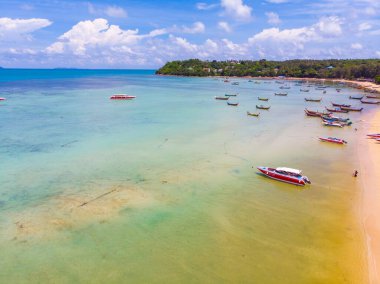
point(222, 98)
point(340, 105)
point(285, 87)
point(230, 95)
point(335, 124)
point(263, 99)
point(253, 114)
point(333, 140)
point(232, 104)
point(304, 90)
point(372, 97)
point(316, 113)
point(343, 123)
point(374, 135)
point(263, 107)
point(356, 97)
point(352, 108)
point(121, 97)
point(313, 100)
point(370, 102)
point(335, 118)
point(336, 109)
point(288, 175)
point(280, 94)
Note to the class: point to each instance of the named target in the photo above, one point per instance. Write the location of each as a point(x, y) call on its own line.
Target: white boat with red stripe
point(288, 175)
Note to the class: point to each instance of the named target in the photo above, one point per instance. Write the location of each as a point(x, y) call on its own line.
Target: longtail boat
point(288, 175)
point(340, 105)
point(280, 94)
point(222, 98)
point(343, 123)
point(263, 99)
point(370, 102)
point(232, 104)
point(372, 97)
point(356, 97)
point(230, 95)
point(253, 114)
point(335, 124)
point(336, 109)
point(313, 100)
point(121, 97)
point(352, 108)
point(335, 118)
point(374, 135)
point(262, 107)
point(316, 113)
point(333, 140)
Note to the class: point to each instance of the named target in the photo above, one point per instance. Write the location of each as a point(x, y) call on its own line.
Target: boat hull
point(271, 173)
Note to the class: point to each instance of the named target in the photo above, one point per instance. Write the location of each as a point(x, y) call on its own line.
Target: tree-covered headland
point(330, 69)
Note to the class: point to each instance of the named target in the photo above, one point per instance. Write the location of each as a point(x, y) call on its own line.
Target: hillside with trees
point(330, 69)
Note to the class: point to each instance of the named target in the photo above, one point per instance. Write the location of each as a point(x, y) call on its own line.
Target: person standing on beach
point(355, 174)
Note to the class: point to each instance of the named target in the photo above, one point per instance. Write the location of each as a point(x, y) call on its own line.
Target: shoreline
point(369, 176)
point(370, 87)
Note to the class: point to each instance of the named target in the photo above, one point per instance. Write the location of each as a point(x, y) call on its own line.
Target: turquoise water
point(168, 176)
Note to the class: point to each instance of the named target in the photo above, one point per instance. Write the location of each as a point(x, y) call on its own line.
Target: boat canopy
point(290, 170)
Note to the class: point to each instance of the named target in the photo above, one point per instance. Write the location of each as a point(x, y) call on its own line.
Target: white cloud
point(14, 28)
point(377, 53)
point(197, 27)
point(273, 18)
point(184, 44)
point(356, 46)
point(329, 26)
point(237, 9)
point(364, 26)
point(224, 26)
point(116, 12)
point(205, 6)
point(277, 1)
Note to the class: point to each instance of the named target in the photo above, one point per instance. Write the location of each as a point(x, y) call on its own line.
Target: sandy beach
point(369, 151)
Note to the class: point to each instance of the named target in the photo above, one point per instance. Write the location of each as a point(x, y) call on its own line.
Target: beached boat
point(356, 97)
point(334, 124)
point(222, 98)
point(262, 107)
point(340, 105)
point(374, 135)
point(121, 97)
point(253, 113)
point(313, 100)
point(352, 108)
point(333, 140)
point(370, 102)
point(288, 175)
point(232, 104)
point(316, 113)
point(336, 109)
point(263, 99)
point(280, 94)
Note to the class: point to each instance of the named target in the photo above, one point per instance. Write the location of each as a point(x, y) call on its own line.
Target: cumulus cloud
point(205, 6)
point(14, 28)
point(237, 9)
point(197, 27)
point(364, 26)
point(356, 46)
point(116, 12)
point(224, 26)
point(273, 18)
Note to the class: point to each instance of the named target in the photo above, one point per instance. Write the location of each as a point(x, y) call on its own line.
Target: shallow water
point(172, 195)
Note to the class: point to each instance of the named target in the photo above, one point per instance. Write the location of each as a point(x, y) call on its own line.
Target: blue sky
point(146, 34)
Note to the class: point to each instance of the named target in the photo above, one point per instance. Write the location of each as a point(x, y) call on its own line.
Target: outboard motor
point(306, 179)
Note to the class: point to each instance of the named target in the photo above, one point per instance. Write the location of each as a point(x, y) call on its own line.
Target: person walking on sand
point(355, 174)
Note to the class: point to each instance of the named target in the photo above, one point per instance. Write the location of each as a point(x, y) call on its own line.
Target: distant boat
point(331, 120)
point(336, 109)
point(352, 108)
point(374, 135)
point(231, 95)
point(324, 91)
point(335, 118)
point(2, 99)
point(232, 104)
point(280, 94)
point(235, 83)
point(340, 105)
point(333, 140)
point(335, 124)
point(372, 97)
point(253, 114)
point(304, 90)
point(263, 107)
point(370, 102)
point(316, 113)
point(121, 97)
point(338, 90)
point(288, 175)
point(356, 97)
point(313, 100)
point(222, 98)
point(285, 87)
point(263, 99)
point(250, 81)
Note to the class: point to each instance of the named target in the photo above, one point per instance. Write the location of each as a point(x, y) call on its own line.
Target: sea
point(165, 188)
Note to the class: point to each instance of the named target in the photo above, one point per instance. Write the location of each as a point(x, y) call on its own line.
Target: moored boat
point(263, 99)
point(334, 124)
point(232, 104)
point(263, 107)
point(316, 113)
point(335, 118)
point(253, 113)
point(374, 135)
point(372, 97)
point(230, 95)
point(222, 98)
point(333, 140)
point(313, 100)
point(356, 97)
point(122, 97)
point(280, 94)
point(370, 102)
point(342, 123)
point(2, 99)
point(336, 109)
point(340, 105)
point(304, 90)
point(352, 108)
point(288, 175)
point(235, 83)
